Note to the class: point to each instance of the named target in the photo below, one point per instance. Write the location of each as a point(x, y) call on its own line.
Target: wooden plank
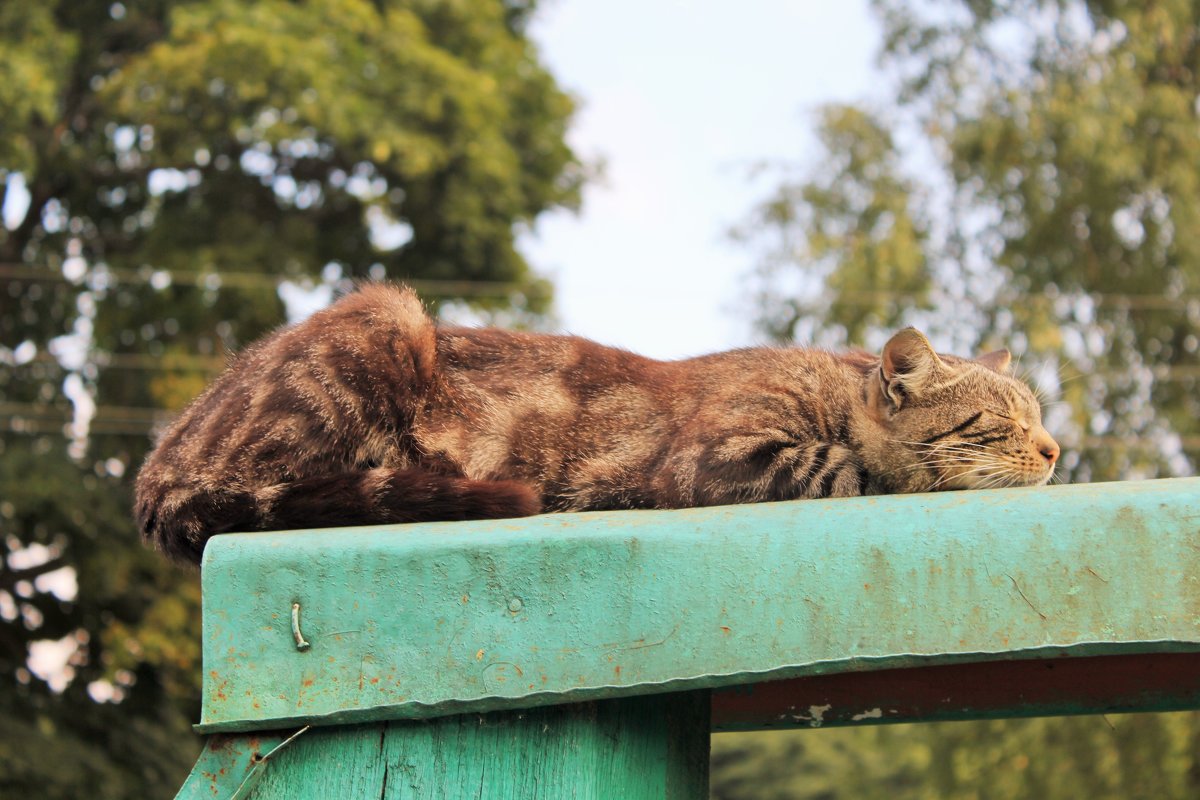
point(427, 620)
point(987, 690)
point(637, 749)
point(230, 765)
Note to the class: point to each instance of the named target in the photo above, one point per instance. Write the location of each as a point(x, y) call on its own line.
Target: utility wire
point(467, 288)
point(255, 280)
point(102, 414)
point(1121, 299)
point(168, 362)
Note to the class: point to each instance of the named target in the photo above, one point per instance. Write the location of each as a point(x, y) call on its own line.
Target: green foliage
point(1055, 213)
point(34, 66)
point(121, 750)
point(850, 228)
point(1138, 755)
point(438, 110)
point(181, 159)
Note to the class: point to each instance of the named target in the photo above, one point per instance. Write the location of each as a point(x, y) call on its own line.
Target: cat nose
point(1046, 446)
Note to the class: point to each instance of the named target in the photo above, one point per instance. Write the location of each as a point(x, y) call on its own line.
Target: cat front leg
point(772, 465)
point(842, 475)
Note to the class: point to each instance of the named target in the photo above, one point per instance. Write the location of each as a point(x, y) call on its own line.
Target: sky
point(680, 99)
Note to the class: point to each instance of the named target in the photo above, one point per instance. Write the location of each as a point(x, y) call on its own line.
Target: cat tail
point(374, 496)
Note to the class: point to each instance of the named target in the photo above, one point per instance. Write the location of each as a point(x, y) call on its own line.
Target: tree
point(1059, 147)
point(1138, 755)
point(165, 168)
point(1051, 172)
point(850, 227)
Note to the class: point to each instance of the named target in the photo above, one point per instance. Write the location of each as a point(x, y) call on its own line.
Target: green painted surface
point(425, 620)
point(231, 765)
point(635, 749)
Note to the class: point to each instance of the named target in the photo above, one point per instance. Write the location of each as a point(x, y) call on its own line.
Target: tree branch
point(9, 578)
point(40, 193)
point(4, 174)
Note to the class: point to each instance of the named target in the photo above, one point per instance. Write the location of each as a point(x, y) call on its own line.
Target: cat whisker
point(1001, 479)
point(961, 452)
point(938, 445)
point(963, 447)
point(970, 464)
point(953, 456)
point(971, 459)
point(957, 455)
point(975, 470)
point(1063, 380)
point(977, 467)
point(987, 482)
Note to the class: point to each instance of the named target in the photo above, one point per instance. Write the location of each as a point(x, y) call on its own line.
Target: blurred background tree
point(1034, 184)
point(170, 171)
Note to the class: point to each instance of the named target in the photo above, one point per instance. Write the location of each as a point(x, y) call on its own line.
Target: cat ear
point(997, 360)
point(909, 366)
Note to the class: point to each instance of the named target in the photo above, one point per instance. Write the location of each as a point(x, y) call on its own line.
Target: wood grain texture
point(649, 748)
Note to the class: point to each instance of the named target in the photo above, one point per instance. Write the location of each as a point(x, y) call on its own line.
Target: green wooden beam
point(636, 749)
point(420, 621)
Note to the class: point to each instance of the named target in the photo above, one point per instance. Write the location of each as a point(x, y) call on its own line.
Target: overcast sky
point(679, 98)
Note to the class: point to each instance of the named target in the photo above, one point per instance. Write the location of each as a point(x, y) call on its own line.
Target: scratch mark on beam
point(1017, 586)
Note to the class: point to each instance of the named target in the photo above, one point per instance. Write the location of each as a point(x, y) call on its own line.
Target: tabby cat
point(369, 412)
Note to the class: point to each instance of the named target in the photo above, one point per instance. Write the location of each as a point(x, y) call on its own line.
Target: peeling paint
point(815, 717)
point(874, 713)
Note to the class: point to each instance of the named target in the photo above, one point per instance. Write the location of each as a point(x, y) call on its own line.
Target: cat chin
point(1008, 481)
point(1040, 481)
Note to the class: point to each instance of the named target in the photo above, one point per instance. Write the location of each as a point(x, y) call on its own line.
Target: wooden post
point(647, 748)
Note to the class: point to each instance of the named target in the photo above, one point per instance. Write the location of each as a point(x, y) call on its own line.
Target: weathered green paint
point(636, 749)
point(426, 620)
point(231, 765)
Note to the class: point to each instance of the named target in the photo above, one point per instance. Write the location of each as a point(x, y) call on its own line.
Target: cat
point(370, 412)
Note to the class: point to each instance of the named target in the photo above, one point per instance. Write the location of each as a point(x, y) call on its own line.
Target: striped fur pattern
point(368, 412)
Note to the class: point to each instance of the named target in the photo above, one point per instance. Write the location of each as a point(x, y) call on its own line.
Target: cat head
point(957, 423)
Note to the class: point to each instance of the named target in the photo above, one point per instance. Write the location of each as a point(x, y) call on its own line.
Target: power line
point(255, 280)
point(46, 428)
point(1122, 299)
point(116, 412)
point(169, 362)
point(470, 288)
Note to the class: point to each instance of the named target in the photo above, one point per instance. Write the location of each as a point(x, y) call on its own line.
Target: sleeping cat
point(368, 412)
